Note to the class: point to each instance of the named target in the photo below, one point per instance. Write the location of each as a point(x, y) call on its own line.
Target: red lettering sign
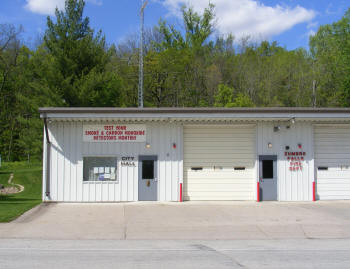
point(114, 133)
point(295, 163)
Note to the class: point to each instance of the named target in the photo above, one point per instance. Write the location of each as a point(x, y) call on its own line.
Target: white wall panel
point(67, 163)
point(292, 185)
point(45, 167)
point(68, 150)
point(54, 162)
point(332, 150)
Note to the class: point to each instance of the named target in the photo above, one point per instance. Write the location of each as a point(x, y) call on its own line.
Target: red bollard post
point(180, 192)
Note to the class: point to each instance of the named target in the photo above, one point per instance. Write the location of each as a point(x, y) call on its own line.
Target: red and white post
point(180, 198)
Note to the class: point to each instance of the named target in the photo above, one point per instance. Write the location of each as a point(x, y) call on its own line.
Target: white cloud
point(47, 7)
point(310, 33)
point(312, 25)
point(247, 17)
point(95, 2)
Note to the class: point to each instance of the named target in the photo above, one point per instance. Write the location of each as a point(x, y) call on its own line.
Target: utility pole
point(314, 85)
point(140, 93)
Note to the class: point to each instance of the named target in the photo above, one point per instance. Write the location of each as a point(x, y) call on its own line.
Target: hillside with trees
point(189, 67)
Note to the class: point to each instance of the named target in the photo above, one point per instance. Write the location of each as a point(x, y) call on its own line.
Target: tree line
point(191, 67)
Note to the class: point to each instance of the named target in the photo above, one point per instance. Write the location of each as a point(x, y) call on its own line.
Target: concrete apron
point(188, 220)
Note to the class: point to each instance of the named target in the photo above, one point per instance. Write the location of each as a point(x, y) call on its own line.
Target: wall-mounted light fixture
point(276, 128)
point(292, 120)
point(148, 145)
point(269, 145)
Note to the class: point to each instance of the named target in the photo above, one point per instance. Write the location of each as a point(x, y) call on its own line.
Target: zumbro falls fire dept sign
point(114, 133)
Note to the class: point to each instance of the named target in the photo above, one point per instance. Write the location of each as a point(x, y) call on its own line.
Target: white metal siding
point(332, 150)
point(44, 166)
point(292, 185)
point(218, 149)
point(68, 150)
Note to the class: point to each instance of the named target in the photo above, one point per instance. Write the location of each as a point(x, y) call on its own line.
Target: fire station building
point(175, 154)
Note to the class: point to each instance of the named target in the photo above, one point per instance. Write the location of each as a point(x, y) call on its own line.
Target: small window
point(324, 168)
point(196, 168)
point(148, 169)
point(99, 168)
point(267, 168)
point(239, 168)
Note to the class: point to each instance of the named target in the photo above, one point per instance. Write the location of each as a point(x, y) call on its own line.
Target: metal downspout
point(48, 161)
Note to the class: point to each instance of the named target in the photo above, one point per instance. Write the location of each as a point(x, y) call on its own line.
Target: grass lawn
point(28, 175)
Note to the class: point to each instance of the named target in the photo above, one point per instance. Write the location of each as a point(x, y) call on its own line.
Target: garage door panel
point(332, 187)
point(206, 163)
point(219, 147)
point(337, 174)
point(221, 150)
point(222, 180)
point(212, 129)
point(334, 193)
point(329, 148)
point(335, 155)
point(220, 133)
point(329, 137)
point(219, 187)
point(223, 156)
point(201, 181)
point(332, 164)
point(333, 197)
point(332, 150)
point(218, 142)
point(333, 180)
point(217, 176)
point(228, 196)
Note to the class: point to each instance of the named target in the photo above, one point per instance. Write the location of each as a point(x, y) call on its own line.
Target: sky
point(289, 22)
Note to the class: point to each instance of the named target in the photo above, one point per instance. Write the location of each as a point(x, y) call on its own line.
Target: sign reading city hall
point(114, 133)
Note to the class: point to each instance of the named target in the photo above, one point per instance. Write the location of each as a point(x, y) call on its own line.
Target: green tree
point(330, 47)
point(22, 92)
point(81, 59)
point(189, 51)
point(228, 97)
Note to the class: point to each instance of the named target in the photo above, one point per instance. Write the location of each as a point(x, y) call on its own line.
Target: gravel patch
point(15, 188)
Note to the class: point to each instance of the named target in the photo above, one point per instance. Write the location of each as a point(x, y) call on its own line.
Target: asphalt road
point(197, 254)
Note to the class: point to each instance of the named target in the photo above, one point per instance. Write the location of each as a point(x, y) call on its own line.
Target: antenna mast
point(140, 93)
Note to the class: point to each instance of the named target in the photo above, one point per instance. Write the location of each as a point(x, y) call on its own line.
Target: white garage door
point(219, 162)
point(332, 158)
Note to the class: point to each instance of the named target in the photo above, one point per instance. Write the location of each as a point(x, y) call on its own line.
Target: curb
point(30, 214)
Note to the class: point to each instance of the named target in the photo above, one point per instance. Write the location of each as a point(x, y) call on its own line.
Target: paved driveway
point(189, 220)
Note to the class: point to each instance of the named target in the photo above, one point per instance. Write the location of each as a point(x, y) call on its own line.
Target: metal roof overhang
point(196, 118)
point(196, 114)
